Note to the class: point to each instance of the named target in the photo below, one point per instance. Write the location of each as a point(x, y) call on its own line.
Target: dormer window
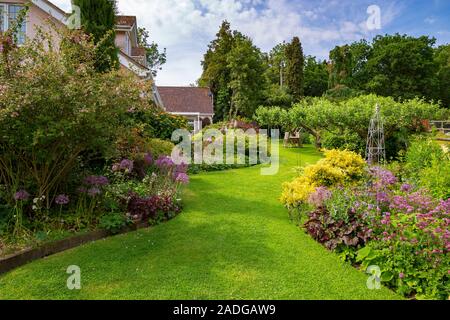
point(9, 14)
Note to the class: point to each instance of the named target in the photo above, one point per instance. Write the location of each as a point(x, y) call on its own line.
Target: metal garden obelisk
point(376, 149)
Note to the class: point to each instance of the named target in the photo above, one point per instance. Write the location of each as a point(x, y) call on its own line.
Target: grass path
point(233, 241)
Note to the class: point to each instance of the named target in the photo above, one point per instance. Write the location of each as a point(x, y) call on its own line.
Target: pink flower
point(21, 195)
point(62, 199)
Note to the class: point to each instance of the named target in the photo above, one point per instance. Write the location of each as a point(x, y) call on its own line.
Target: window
point(8, 14)
point(2, 18)
point(13, 13)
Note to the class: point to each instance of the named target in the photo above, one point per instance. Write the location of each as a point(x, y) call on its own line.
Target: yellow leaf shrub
point(350, 162)
point(297, 191)
point(336, 168)
point(324, 174)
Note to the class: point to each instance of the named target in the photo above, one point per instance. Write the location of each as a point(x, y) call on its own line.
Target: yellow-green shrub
point(351, 163)
point(297, 191)
point(338, 167)
point(158, 147)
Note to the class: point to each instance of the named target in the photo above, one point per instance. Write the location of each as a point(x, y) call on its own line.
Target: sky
point(185, 27)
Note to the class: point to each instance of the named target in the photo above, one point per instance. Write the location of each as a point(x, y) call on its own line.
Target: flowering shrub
point(338, 167)
point(396, 226)
point(56, 112)
point(61, 125)
point(372, 218)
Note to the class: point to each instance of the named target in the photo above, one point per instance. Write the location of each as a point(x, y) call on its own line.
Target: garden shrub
point(428, 165)
point(164, 124)
point(421, 153)
point(347, 140)
point(113, 222)
point(436, 178)
point(158, 147)
point(55, 109)
point(338, 167)
point(381, 221)
point(333, 233)
point(62, 125)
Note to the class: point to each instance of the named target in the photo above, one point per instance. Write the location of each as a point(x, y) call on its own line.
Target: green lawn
point(233, 241)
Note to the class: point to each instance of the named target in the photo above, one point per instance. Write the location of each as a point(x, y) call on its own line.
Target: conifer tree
point(295, 69)
point(98, 19)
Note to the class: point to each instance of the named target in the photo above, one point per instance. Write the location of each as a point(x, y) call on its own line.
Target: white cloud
point(185, 27)
point(430, 20)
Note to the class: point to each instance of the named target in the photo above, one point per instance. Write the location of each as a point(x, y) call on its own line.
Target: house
point(194, 103)
point(131, 56)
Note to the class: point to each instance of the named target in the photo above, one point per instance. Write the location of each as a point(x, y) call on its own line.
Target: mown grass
point(233, 241)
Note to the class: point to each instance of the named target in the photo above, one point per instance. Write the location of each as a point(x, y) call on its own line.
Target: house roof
point(122, 21)
point(128, 21)
point(187, 100)
point(138, 51)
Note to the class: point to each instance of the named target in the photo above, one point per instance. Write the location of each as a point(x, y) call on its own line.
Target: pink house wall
point(36, 18)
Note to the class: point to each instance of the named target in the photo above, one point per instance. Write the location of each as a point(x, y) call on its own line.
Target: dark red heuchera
point(151, 208)
point(331, 233)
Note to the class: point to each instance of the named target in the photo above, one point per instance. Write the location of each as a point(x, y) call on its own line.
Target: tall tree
point(276, 93)
point(247, 84)
point(277, 63)
point(98, 19)
point(295, 69)
point(155, 57)
point(340, 66)
point(348, 65)
point(216, 74)
point(316, 77)
point(402, 66)
point(442, 58)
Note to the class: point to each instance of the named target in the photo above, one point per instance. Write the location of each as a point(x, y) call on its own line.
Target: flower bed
point(378, 221)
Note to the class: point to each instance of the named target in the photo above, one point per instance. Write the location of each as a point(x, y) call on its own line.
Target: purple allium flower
point(82, 190)
point(96, 181)
point(93, 192)
point(182, 178)
point(406, 187)
point(62, 199)
point(127, 165)
point(148, 159)
point(21, 195)
point(401, 275)
point(384, 176)
point(182, 168)
point(164, 162)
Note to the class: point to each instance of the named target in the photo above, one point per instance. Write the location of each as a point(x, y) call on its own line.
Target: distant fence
point(443, 126)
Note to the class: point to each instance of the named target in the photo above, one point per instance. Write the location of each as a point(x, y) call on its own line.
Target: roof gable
point(187, 100)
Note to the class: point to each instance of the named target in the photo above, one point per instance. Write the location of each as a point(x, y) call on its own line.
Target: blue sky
point(185, 27)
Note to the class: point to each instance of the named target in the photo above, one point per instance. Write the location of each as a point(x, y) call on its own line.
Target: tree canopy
point(234, 70)
point(155, 57)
